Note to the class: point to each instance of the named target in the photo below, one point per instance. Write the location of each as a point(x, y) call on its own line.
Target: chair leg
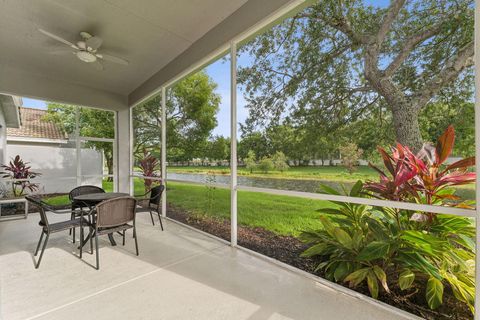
point(81, 241)
point(160, 219)
point(151, 217)
point(96, 251)
point(91, 240)
point(38, 245)
point(71, 218)
point(41, 253)
point(136, 243)
point(73, 235)
point(123, 236)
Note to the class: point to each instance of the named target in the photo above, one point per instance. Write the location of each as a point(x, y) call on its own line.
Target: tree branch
point(341, 24)
point(388, 20)
point(409, 45)
point(452, 69)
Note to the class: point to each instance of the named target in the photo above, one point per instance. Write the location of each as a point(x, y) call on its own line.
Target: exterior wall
point(57, 165)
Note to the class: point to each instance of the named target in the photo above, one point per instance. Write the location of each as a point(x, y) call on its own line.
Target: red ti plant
point(423, 178)
point(18, 170)
point(394, 185)
point(148, 164)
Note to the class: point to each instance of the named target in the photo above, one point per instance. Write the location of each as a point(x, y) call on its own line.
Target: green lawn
point(281, 214)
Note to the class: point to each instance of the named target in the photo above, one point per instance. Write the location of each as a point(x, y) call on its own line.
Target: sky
point(32, 103)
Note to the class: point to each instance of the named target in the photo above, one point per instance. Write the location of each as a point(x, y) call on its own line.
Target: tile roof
point(34, 126)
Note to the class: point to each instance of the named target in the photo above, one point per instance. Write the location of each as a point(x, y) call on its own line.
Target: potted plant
point(18, 174)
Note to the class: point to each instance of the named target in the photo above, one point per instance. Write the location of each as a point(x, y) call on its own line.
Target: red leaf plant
point(148, 164)
point(423, 178)
point(18, 170)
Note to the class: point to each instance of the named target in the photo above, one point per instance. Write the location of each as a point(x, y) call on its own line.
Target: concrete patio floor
point(180, 274)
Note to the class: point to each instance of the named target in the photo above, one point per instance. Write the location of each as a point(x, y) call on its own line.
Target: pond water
point(283, 184)
point(272, 183)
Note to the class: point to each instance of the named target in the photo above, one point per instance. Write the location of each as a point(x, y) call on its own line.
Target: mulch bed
point(287, 249)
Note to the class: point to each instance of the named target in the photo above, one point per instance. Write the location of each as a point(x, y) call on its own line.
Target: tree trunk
point(407, 129)
point(109, 161)
point(404, 112)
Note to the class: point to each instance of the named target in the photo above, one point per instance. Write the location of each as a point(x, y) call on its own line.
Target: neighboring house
point(49, 151)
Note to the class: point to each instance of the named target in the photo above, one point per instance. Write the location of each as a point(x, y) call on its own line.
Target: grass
point(283, 215)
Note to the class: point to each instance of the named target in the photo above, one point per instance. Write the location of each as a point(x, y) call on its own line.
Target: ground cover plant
point(385, 248)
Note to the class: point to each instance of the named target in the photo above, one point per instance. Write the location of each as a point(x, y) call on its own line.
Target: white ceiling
point(148, 33)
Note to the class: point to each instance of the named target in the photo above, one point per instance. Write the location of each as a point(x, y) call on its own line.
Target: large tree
point(192, 106)
point(339, 60)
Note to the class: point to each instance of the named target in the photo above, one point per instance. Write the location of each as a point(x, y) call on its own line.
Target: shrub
point(265, 165)
point(350, 155)
point(280, 161)
point(251, 161)
point(387, 247)
point(18, 169)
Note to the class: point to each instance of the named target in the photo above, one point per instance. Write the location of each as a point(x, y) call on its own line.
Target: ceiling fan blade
point(111, 58)
point(61, 51)
point(94, 42)
point(97, 65)
point(51, 35)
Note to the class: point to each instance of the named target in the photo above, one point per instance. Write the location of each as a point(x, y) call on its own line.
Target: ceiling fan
point(86, 49)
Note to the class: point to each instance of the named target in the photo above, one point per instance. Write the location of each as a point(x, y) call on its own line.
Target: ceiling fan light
point(86, 56)
point(81, 44)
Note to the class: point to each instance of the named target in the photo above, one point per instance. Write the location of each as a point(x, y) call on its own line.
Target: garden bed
point(287, 249)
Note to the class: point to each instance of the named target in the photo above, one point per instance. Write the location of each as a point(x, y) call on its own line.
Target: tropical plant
point(148, 165)
point(423, 178)
point(391, 248)
point(17, 169)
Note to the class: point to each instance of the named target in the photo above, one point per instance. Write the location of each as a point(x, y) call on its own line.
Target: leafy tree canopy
point(192, 105)
point(337, 62)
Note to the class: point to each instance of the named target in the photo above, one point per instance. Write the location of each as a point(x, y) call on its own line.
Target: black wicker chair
point(111, 216)
point(49, 228)
point(152, 204)
point(78, 206)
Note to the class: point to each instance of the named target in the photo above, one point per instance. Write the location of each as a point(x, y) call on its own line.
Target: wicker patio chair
point(152, 204)
point(77, 206)
point(49, 228)
point(112, 215)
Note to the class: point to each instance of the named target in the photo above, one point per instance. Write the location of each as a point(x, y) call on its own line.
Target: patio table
point(92, 199)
